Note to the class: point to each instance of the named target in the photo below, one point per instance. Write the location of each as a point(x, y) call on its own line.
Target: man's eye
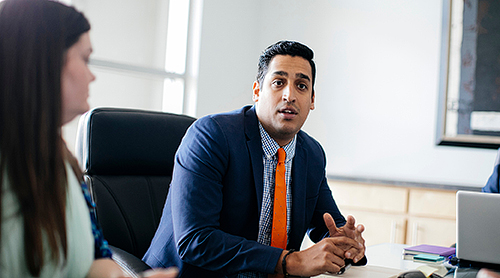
point(278, 82)
point(302, 86)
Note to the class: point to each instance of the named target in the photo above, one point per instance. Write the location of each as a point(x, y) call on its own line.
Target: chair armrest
point(128, 262)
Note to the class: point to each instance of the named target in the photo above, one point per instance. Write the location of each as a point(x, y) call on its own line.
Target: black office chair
point(127, 156)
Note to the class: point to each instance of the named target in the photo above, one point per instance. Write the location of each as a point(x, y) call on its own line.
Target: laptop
point(478, 226)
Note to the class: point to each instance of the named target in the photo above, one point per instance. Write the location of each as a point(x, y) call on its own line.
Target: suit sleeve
point(325, 203)
point(197, 197)
point(492, 186)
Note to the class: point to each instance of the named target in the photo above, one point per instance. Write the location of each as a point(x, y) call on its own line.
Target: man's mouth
point(290, 111)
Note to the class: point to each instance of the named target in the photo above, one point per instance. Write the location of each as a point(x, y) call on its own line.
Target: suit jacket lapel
point(299, 183)
point(299, 174)
point(254, 146)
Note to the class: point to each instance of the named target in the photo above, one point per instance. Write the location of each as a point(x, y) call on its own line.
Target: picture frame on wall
point(469, 89)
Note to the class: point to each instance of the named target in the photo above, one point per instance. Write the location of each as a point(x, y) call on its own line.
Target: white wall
point(228, 55)
point(135, 34)
point(377, 81)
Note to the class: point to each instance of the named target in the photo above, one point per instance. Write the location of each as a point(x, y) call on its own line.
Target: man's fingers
point(330, 224)
point(347, 242)
point(349, 229)
point(354, 254)
point(358, 257)
point(328, 255)
point(358, 233)
point(360, 228)
point(344, 243)
point(317, 259)
point(351, 222)
point(338, 262)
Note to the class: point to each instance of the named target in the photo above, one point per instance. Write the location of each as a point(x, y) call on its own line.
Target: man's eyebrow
point(281, 73)
point(303, 76)
point(298, 75)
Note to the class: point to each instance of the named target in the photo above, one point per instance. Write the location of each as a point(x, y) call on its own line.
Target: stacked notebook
point(428, 253)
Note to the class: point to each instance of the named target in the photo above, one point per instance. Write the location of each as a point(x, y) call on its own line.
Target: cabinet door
point(422, 230)
point(432, 203)
point(379, 227)
point(370, 197)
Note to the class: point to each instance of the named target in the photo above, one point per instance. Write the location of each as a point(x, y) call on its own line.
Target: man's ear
point(312, 101)
point(256, 91)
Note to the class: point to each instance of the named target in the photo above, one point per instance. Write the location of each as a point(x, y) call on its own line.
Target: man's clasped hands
point(329, 255)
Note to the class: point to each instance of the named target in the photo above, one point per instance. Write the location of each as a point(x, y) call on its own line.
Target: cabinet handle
point(394, 227)
point(415, 234)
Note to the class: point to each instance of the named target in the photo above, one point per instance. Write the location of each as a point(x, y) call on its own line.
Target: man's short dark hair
point(291, 48)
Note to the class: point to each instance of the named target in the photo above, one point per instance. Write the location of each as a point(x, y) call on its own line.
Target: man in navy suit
point(217, 218)
point(493, 184)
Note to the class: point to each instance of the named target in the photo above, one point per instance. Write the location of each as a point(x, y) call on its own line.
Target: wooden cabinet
point(407, 215)
point(431, 231)
point(380, 227)
point(432, 217)
point(380, 209)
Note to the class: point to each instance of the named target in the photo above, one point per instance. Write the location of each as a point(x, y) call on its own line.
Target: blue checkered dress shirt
point(270, 159)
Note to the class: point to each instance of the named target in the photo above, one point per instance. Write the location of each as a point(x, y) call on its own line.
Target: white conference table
point(384, 260)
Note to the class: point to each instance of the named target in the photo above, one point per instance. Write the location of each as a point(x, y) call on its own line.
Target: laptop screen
point(478, 225)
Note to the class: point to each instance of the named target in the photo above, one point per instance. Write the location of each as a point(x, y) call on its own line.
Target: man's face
point(284, 99)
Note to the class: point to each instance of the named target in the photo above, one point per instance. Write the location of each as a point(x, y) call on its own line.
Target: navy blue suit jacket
point(210, 221)
point(492, 186)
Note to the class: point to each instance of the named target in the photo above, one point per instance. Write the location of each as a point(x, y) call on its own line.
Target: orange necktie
point(278, 233)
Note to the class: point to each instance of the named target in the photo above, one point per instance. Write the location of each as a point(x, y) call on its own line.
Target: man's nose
point(289, 93)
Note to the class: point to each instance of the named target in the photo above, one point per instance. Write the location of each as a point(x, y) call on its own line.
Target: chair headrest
point(118, 141)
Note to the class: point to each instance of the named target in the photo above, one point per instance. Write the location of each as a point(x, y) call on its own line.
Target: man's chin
point(288, 131)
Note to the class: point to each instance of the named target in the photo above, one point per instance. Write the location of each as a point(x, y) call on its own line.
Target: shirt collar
point(270, 146)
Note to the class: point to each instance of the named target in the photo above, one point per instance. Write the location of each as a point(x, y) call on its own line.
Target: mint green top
point(79, 233)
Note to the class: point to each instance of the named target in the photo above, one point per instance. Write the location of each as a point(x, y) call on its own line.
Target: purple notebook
point(430, 249)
